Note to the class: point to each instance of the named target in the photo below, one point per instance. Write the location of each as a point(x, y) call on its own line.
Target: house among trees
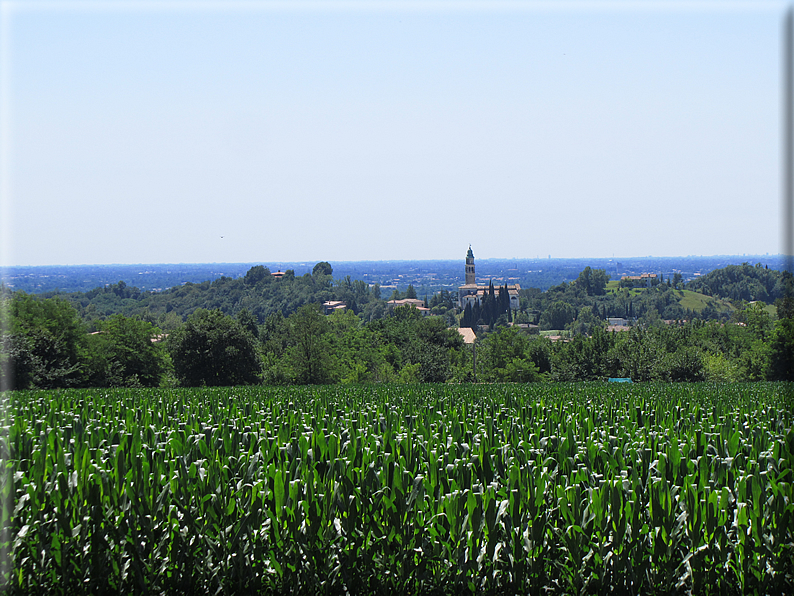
point(646, 280)
point(330, 306)
point(417, 303)
point(474, 295)
point(617, 324)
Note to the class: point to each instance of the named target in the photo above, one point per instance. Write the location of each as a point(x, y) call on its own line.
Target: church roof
point(469, 255)
point(483, 288)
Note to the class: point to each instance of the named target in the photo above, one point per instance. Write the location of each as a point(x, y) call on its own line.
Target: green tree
point(719, 369)
point(640, 354)
point(322, 268)
point(506, 356)
point(467, 321)
point(757, 319)
point(309, 352)
point(785, 304)
point(410, 292)
point(431, 350)
point(123, 354)
point(256, 275)
point(781, 351)
point(274, 338)
point(651, 318)
point(46, 346)
point(373, 310)
point(249, 322)
point(585, 321)
point(741, 282)
point(409, 338)
point(356, 354)
point(685, 364)
point(781, 348)
point(18, 365)
point(215, 350)
point(557, 316)
point(584, 359)
point(592, 281)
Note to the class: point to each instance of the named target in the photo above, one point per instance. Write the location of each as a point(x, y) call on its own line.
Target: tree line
point(574, 306)
point(47, 345)
point(259, 292)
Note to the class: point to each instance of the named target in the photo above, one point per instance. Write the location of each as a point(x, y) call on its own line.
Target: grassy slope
point(687, 298)
point(697, 301)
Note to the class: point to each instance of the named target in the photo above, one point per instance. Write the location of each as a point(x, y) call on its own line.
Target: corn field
point(425, 489)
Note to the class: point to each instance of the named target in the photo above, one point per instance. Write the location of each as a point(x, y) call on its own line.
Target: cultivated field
point(547, 489)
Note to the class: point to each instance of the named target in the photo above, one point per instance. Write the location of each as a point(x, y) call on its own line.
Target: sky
point(206, 132)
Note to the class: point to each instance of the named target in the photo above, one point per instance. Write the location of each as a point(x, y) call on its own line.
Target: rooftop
point(468, 335)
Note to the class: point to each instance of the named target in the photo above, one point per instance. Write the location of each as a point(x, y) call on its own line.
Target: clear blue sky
point(160, 132)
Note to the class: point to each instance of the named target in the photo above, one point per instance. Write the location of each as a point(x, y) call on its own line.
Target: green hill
point(741, 282)
point(697, 301)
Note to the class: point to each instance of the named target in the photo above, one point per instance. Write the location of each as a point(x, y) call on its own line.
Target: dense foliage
point(47, 344)
point(258, 292)
point(311, 348)
point(742, 282)
point(562, 305)
point(689, 352)
point(262, 294)
point(124, 353)
point(584, 489)
point(213, 349)
point(494, 309)
point(43, 344)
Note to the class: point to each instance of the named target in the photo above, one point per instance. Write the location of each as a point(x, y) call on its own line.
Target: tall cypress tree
point(467, 315)
point(489, 306)
point(500, 302)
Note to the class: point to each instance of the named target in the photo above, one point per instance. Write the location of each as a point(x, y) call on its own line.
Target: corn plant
point(424, 489)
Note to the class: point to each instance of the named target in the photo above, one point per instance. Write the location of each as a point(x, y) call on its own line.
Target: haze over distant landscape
point(203, 133)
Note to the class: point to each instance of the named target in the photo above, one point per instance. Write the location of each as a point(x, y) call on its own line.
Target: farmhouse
point(645, 279)
point(417, 303)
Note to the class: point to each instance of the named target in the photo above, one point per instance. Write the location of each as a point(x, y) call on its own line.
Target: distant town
point(427, 277)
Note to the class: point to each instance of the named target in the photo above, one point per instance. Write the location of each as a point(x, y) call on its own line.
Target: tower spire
point(470, 280)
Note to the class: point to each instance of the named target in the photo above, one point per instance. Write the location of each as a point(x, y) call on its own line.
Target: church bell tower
point(470, 267)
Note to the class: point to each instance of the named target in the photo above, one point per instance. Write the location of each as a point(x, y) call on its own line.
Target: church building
point(471, 293)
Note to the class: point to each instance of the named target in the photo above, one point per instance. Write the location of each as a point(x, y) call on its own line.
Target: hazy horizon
point(461, 259)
